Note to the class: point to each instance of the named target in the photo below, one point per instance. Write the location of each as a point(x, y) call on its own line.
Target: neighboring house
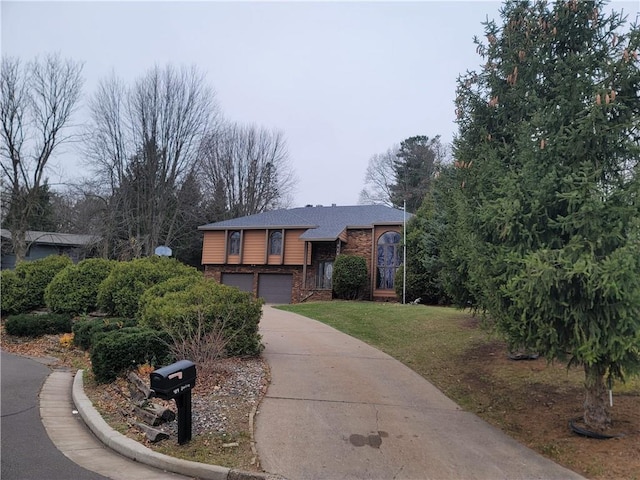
point(43, 244)
point(286, 256)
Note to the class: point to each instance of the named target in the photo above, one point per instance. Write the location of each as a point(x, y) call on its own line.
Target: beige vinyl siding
point(253, 247)
point(275, 260)
point(293, 247)
point(213, 245)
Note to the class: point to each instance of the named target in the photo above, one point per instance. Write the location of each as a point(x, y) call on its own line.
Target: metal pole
point(404, 253)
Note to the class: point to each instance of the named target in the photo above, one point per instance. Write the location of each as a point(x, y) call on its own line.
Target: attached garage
point(275, 287)
point(244, 281)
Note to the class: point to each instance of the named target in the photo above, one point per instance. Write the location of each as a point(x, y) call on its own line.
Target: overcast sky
point(341, 80)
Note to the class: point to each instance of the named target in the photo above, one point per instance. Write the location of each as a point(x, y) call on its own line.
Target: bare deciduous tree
point(379, 178)
point(37, 100)
point(245, 169)
point(143, 143)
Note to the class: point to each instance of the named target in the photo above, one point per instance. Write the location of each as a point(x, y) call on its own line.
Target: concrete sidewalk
point(340, 409)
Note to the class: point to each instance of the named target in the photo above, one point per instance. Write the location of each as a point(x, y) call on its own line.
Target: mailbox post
point(175, 382)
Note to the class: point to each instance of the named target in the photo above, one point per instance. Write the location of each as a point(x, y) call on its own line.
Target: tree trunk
point(597, 417)
point(19, 243)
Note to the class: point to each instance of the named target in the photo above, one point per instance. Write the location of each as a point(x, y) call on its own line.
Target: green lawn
point(449, 348)
point(430, 340)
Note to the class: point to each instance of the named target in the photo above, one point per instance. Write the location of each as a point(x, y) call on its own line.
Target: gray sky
point(342, 80)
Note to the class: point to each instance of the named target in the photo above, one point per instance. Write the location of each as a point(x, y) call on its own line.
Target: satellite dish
point(163, 251)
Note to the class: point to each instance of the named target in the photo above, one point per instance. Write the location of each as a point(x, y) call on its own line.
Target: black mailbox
point(173, 380)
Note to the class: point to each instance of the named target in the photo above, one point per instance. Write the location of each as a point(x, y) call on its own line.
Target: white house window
point(389, 259)
point(275, 243)
point(325, 275)
point(234, 243)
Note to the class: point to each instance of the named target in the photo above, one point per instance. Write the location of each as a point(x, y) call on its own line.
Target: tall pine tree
point(547, 156)
point(414, 168)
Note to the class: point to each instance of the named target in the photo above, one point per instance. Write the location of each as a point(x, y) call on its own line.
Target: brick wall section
point(359, 243)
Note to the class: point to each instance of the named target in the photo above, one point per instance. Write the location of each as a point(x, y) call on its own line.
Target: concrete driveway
point(340, 409)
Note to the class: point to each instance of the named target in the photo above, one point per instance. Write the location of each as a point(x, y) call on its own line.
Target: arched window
point(234, 243)
point(275, 243)
point(389, 259)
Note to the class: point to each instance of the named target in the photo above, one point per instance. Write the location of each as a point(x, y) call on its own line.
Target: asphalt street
point(27, 452)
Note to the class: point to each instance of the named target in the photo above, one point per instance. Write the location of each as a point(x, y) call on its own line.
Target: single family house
point(286, 256)
point(43, 244)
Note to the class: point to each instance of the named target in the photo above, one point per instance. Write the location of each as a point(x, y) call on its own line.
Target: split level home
point(286, 256)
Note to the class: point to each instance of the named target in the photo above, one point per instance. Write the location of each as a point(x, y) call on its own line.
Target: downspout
point(304, 266)
point(266, 250)
point(374, 265)
point(282, 248)
point(226, 247)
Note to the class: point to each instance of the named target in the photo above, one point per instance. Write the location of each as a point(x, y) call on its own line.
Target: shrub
point(421, 285)
point(27, 325)
point(31, 278)
point(189, 310)
point(349, 276)
point(74, 290)
point(14, 295)
point(119, 350)
point(84, 331)
point(120, 292)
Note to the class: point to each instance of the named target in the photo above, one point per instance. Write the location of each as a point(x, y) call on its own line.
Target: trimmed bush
point(27, 325)
point(120, 350)
point(84, 331)
point(183, 307)
point(349, 276)
point(120, 292)
point(74, 290)
point(14, 293)
point(31, 279)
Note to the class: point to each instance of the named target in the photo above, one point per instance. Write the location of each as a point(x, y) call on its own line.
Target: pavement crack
point(18, 412)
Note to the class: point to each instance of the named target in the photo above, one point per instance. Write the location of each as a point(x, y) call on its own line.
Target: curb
point(131, 449)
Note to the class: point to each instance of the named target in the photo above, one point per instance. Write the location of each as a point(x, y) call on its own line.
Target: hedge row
point(23, 288)
point(28, 325)
point(84, 331)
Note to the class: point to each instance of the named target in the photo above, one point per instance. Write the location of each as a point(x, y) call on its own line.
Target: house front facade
point(286, 256)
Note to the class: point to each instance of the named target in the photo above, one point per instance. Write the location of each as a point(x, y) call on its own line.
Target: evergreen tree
point(414, 169)
point(33, 206)
point(426, 243)
point(547, 158)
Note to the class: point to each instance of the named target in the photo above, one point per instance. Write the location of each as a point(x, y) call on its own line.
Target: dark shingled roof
point(321, 223)
point(54, 238)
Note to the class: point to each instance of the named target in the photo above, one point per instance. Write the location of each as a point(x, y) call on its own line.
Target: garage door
point(244, 281)
point(275, 287)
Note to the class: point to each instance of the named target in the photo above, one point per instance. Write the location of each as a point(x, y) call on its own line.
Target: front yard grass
point(530, 400)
